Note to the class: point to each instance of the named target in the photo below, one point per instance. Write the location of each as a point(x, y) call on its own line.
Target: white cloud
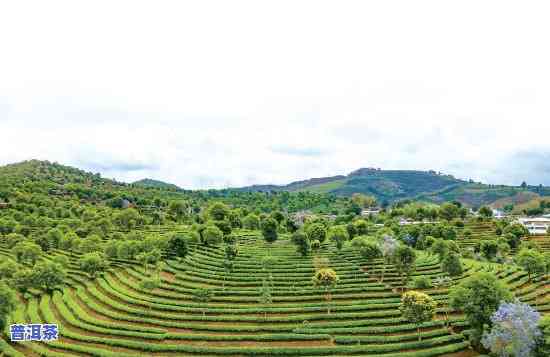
point(216, 93)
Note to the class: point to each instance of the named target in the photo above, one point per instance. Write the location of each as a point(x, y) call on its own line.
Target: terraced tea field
point(113, 316)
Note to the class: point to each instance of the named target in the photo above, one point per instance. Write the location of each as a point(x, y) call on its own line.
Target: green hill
point(147, 182)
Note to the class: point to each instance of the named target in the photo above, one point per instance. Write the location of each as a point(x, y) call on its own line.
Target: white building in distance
point(536, 225)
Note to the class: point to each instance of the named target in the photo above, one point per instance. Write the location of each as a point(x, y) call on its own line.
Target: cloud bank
point(216, 94)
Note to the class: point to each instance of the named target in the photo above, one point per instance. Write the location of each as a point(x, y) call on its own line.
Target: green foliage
point(212, 235)
point(27, 252)
point(316, 231)
point(338, 235)
point(452, 265)
point(49, 276)
point(417, 308)
point(531, 261)
point(479, 296)
point(8, 302)
point(251, 221)
point(92, 263)
point(302, 243)
point(177, 246)
point(269, 229)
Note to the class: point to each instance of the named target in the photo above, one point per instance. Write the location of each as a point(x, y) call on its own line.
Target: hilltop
point(147, 182)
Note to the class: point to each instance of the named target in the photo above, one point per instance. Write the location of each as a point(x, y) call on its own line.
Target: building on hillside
point(4, 205)
point(370, 212)
point(536, 225)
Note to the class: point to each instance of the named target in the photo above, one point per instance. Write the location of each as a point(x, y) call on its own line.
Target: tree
point(451, 264)
point(404, 259)
point(49, 276)
point(361, 227)
point(148, 258)
point(531, 261)
point(440, 248)
point(326, 278)
point(369, 250)
point(212, 235)
point(54, 236)
point(149, 284)
point(227, 269)
point(251, 221)
point(485, 211)
point(478, 296)
point(448, 211)
point(8, 302)
point(269, 229)
point(202, 296)
point(7, 269)
point(339, 235)
point(316, 231)
point(92, 243)
point(177, 246)
point(23, 280)
point(515, 330)
point(128, 219)
point(387, 246)
point(303, 245)
point(218, 211)
point(489, 248)
point(265, 297)
point(267, 263)
point(92, 263)
point(417, 308)
point(27, 252)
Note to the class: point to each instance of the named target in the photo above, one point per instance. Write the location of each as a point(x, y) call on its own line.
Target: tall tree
point(417, 308)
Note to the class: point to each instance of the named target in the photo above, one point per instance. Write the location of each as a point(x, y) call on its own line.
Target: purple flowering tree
point(515, 330)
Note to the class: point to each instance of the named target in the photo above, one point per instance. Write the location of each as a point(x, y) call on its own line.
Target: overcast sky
point(229, 93)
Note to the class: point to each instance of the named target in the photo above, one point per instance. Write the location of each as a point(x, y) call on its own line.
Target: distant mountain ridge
point(395, 185)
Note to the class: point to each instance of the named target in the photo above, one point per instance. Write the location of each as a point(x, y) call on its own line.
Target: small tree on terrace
point(515, 330)
point(212, 235)
point(326, 278)
point(531, 261)
point(486, 212)
point(269, 229)
point(27, 252)
point(149, 258)
point(49, 276)
point(316, 231)
point(451, 264)
point(338, 234)
point(265, 297)
point(417, 308)
point(203, 296)
point(388, 245)
point(404, 259)
point(177, 246)
point(267, 263)
point(303, 245)
point(92, 263)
